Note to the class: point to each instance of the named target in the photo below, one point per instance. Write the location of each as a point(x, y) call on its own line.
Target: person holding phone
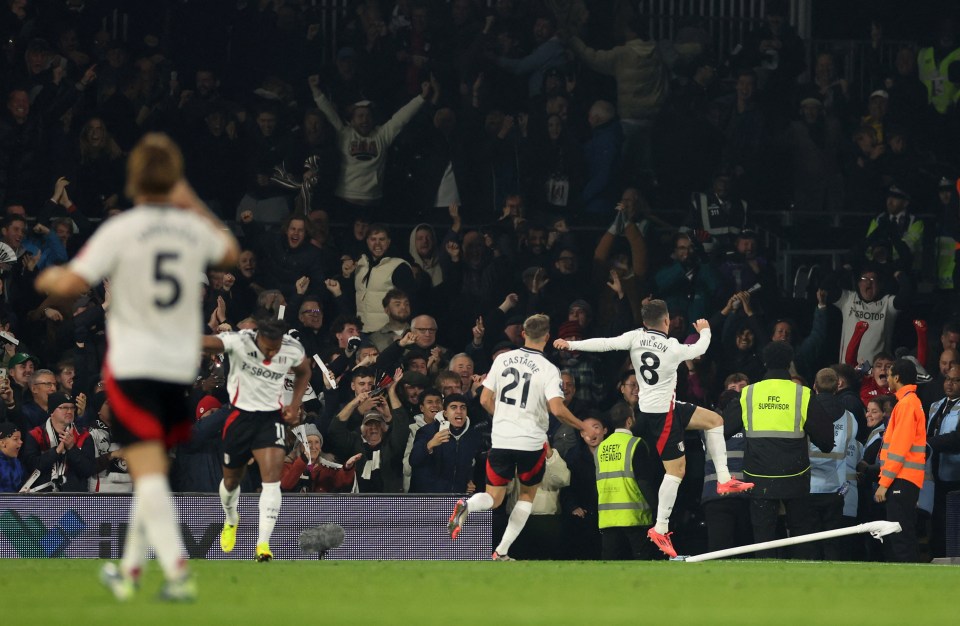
point(63, 454)
point(443, 452)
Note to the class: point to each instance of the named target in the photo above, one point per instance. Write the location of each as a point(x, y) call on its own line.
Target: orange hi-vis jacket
point(904, 451)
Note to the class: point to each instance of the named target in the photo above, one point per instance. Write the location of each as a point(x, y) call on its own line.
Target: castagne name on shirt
point(522, 360)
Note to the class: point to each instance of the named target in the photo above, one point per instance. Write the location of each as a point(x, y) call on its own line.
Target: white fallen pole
point(878, 529)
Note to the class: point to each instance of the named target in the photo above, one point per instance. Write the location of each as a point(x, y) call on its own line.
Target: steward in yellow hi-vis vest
point(627, 475)
point(777, 418)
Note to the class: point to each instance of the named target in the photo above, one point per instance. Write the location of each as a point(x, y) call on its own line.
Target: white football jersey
point(253, 383)
point(154, 256)
point(522, 381)
point(655, 358)
point(881, 316)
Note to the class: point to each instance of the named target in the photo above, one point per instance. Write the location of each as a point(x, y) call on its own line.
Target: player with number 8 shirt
point(518, 391)
point(655, 357)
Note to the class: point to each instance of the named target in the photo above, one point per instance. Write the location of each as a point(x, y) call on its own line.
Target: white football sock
point(482, 501)
point(665, 499)
point(717, 448)
point(229, 501)
point(518, 518)
point(159, 521)
point(270, 499)
point(135, 543)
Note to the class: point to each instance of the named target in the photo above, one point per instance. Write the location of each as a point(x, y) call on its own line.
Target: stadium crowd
point(456, 167)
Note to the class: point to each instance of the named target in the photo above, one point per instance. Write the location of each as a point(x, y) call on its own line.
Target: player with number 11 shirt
point(655, 357)
point(519, 390)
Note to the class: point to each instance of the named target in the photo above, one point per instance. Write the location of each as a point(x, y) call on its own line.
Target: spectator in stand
point(602, 153)
point(933, 391)
point(848, 395)
point(869, 303)
point(876, 384)
point(563, 437)
point(745, 126)
point(863, 177)
point(908, 95)
point(896, 223)
point(579, 499)
point(775, 52)
point(743, 338)
point(378, 272)
point(286, 257)
point(686, 284)
point(746, 270)
point(12, 475)
point(445, 451)
point(396, 305)
point(642, 81)
point(311, 473)
point(42, 383)
point(363, 146)
point(430, 405)
point(806, 352)
point(63, 455)
point(813, 144)
point(548, 54)
point(381, 439)
point(112, 475)
point(717, 217)
point(943, 460)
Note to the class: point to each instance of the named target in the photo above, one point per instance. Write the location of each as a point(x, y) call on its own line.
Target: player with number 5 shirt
point(655, 357)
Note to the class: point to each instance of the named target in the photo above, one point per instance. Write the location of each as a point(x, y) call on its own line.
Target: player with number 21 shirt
point(655, 357)
point(520, 389)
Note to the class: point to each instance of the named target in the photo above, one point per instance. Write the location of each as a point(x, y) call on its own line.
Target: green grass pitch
point(60, 591)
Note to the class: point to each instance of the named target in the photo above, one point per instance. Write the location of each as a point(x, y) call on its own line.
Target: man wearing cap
point(896, 223)
point(445, 450)
point(63, 455)
point(876, 112)
point(12, 475)
point(20, 368)
point(381, 439)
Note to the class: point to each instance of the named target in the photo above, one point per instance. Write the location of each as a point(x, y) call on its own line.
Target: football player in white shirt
point(521, 386)
point(153, 256)
point(655, 358)
point(259, 361)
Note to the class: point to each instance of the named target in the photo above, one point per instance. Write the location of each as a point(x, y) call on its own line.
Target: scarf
point(58, 473)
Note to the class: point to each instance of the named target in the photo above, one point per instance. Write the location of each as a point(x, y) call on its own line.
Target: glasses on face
point(426, 331)
point(631, 385)
point(311, 312)
point(867, 279)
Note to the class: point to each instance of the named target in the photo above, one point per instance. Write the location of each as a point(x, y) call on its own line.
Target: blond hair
point(536, 326)
point(154, 167)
